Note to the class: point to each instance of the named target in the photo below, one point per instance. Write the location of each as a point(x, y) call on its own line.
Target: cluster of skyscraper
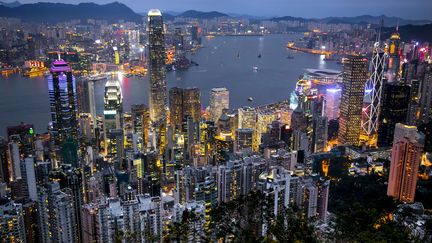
point(126, 175)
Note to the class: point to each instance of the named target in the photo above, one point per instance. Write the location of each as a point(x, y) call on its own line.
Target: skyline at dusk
point(415, 9)
point(216, 121)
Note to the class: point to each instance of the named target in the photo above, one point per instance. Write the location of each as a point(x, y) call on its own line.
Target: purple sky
point(411, 9)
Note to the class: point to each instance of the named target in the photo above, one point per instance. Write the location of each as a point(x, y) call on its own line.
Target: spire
point(397, 26)
point(58, 56)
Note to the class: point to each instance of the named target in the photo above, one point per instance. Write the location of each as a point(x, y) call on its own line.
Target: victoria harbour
point(224, 61)
point(215, 121)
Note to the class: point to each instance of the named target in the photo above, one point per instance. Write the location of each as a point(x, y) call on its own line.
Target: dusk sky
point(412, 9)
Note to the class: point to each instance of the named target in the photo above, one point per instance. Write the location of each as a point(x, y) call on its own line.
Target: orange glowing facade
point(405, 160)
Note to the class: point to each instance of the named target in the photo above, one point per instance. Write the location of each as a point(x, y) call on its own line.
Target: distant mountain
point(289, 18)
point(58, 12)
point(202, 15)
point(410, 32)
point(364, 19)
point(10, 4)
point(388, 21)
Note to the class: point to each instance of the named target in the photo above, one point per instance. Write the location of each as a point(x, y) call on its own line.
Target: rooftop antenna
point(379, 30)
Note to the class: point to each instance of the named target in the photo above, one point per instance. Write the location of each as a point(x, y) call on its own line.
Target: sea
point(249, 66)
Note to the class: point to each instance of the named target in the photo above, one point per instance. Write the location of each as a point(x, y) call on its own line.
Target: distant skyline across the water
point(412, 9)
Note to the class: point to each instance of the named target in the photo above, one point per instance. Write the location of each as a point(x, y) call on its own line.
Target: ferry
point(255, 68)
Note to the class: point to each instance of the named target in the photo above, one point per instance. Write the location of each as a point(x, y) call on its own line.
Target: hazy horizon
point(413, 9)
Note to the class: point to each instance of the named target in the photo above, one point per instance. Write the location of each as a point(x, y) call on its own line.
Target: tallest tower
point(158, 91)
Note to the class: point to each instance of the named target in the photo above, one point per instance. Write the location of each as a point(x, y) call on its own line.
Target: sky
point(410, 9)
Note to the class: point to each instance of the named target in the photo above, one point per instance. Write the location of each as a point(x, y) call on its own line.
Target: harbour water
point(226, 61)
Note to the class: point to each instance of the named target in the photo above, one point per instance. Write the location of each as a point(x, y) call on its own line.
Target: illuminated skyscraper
point(247, 117)
point(394, 60)
point(184, 103)
point(413, 104)
point(425, 104)
point(113, 107)
point(405, 160)
point(394, 108)
point(219, 100)
point(354, 79)
point(62, 91)
point(141, 123)
point(158, 92)
point(192, 103)
point(332, 98)
point(372, 97)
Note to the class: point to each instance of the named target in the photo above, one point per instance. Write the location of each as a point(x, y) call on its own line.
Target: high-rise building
point(86, 97)
point(405, 161)
point(394, 107)
point(89, 226)
point(184, 103)
point(176, 106)
point(192, 103)
point(276, 184)
point(113, 108)
point(12, 222)
point(332, 102)
point(62, 92)
point(425, 104)
point(244, 139)
point(56, 216)
point(24, 135)
point(413, 104)
point(158, 92)
point(4, 162)
point(372, 95)
point(229, 181)
point(323, 187)
point(354, 80)
point(141, 124)
point(247, 117)
point(219, 100)
point(394, 60)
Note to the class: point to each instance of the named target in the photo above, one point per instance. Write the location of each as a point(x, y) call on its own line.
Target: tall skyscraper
point(354, 80)
point(86, 97)
point(219, 100)
point(394, 107)
point(113, 109)
point(184, 103)
point(425, 104)
point(56, 216)
point(192, 103)
point(141, 123)
point(158, 92)
point(413, 104)
point(405, 160)
point(394, 60)
point(332, 102)
point(62, 92)
point(372, 97)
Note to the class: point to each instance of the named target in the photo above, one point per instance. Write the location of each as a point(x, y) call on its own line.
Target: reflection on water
point(223, 62)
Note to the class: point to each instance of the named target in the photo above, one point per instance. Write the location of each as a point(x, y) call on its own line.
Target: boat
point(238, 54)
point(290, 57)
point(255, 68)
point(250, 99)
point(259, 56)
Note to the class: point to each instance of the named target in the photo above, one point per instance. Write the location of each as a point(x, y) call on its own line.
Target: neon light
point(333, 90)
